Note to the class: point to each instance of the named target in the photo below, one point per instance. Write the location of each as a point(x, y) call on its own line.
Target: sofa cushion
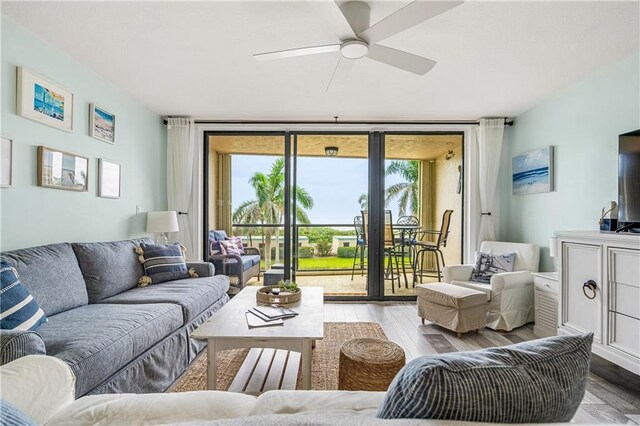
point(197, 407)
point(52, 275)
point(162, 263)
point(109, 268)
point(194, 295)
point(99, 339)
point(539, 381)
point(253, 258)
point(18, 309)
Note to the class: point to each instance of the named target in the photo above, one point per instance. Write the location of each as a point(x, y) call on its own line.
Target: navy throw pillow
point(162, 263)
point(18, 309)
point(488, 264)
point(540, 381)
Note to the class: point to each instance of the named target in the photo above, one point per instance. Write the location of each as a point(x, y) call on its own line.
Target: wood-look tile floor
point(615, 399)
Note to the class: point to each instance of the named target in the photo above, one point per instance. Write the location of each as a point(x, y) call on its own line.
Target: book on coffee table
point(255, 321)
point(275, 312)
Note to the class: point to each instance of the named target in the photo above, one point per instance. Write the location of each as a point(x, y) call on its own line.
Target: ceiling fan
point(358, 39)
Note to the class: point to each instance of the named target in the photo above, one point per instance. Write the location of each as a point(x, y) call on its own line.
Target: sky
point(334, 183)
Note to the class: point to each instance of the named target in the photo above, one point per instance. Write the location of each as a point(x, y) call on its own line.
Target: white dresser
point(600, 292)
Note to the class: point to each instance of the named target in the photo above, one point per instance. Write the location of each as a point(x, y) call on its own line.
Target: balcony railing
point(320, 264)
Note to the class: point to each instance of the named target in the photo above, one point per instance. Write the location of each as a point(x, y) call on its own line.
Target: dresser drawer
point(545, 284)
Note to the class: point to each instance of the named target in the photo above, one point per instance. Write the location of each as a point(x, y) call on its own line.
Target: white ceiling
point(194, 58)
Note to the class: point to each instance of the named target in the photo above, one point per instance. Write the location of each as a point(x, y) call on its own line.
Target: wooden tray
point(264, 296)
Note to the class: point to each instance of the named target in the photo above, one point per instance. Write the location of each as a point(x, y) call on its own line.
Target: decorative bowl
point(264, 296)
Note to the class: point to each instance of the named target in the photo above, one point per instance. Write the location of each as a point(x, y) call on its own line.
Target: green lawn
point(319, 263)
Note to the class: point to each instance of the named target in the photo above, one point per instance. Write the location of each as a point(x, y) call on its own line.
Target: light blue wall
point(32, 215)
point(583, 124)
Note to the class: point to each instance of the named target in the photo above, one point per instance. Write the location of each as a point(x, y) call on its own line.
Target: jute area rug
point(324, 367)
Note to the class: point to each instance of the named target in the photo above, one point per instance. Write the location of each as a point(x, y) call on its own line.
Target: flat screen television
point(629, 179)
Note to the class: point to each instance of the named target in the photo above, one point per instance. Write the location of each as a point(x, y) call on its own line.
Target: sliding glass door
point(344, 211)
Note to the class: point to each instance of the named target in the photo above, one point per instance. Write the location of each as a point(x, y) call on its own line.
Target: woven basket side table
point(369, 364)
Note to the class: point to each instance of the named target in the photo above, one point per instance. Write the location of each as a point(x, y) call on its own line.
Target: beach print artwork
point(44, 101)
point(533, 171)
point(48, 102)
point(103, 124)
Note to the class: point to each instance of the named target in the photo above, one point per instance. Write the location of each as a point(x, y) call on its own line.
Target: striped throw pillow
point(162, 263)
point(18, 309)
point(540, 381)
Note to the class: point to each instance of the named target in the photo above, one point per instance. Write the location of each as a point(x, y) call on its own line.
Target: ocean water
point(532, 181)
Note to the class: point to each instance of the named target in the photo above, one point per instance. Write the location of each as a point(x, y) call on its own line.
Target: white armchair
point(509, 294)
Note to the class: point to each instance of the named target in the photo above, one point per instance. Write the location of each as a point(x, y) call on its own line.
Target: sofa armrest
point(456, 273)
point(227, 264)
point(252, 250)
point(15, 344)
point(203, 269)
point(508, 280)
point(38, 385)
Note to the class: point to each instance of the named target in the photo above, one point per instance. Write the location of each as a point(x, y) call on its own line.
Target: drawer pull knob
point(589, 289)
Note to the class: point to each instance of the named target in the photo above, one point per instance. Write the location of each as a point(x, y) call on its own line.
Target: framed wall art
point(44, 101)
point(102, 124)
point(62, 170)
point(6, 163)
point(532, 171)
point(109, 179)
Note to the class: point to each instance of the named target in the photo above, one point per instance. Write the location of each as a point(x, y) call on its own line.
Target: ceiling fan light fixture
point(354, 49)
point(331, 151)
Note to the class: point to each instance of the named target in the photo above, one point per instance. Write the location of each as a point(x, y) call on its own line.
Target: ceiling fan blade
point(340, 73)
point(290, 53)
point(399, 59)
point(333, 16)
point(410, 15)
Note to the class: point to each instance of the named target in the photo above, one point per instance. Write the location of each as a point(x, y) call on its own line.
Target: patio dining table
point(404, 230)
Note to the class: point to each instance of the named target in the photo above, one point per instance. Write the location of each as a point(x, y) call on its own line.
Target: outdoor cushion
point(193, 295)
point(540, 381)
point(109, 268)
point(52, 276)
point(98, 340)
point(254, 258)
point(18, 309)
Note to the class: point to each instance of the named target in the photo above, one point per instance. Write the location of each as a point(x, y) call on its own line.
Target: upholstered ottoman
point(453, 307)
point(369, 364)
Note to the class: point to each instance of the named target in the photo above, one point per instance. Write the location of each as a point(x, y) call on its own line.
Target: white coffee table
point(228, 329)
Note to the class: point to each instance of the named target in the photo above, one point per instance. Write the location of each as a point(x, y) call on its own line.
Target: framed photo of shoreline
point(109, 179)
point(44, 101)
point(6, 163)
point(102, 124)
point(62, 170)
point(532, 171)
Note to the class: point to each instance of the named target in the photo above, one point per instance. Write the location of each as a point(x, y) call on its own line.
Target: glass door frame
point(376, 185)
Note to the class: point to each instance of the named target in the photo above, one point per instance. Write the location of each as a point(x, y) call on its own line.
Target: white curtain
point(181, 157)
point(490, 134)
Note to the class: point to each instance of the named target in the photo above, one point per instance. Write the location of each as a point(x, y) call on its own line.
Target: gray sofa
point(115, 336)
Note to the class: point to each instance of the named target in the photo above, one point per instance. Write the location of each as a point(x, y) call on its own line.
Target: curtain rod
point(335, 121)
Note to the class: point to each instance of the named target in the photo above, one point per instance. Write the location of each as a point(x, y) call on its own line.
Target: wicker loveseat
point(239, 269)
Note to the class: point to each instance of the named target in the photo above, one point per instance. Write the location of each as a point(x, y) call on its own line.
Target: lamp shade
point(162, 222)
point(553, 247)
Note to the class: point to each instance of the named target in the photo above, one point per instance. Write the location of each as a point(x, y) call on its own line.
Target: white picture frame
point(6, 163)
point(109, 179)
point(102, 124)
point(42, 100)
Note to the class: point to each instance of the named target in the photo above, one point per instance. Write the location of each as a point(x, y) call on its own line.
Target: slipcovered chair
point(239, 269)
point(509, 294)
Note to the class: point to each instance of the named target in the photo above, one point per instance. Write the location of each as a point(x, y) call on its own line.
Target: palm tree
point(406, 192)
point(268, 207)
